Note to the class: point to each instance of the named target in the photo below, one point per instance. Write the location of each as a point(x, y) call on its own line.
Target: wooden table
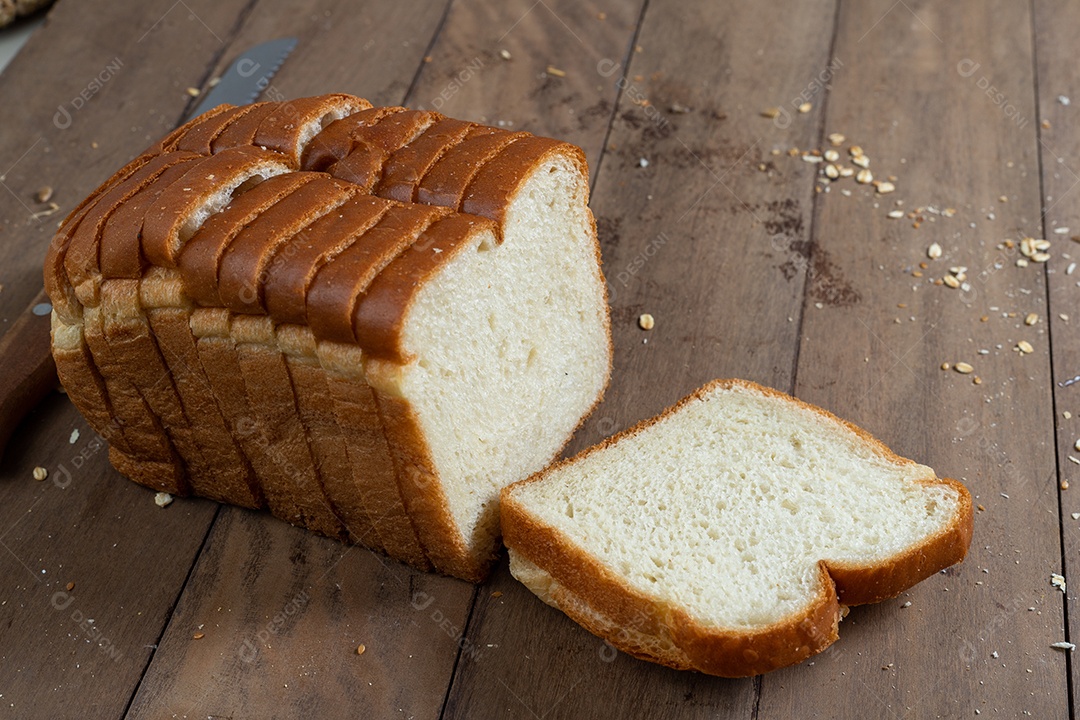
point(112, 607)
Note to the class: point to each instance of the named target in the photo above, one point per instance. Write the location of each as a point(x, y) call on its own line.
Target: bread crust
point(406, 167)
point(287, 282)
point(724, 651)
point(446, 181)
point(336, 140)
point(334, 292)
point(372, 146)
point(199, 135)
point(379, 318)
point(242, 269)
point(284, 128)
point(201, 256)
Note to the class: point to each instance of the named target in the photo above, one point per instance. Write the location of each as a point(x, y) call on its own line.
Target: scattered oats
point(497, 594)
point(1062, 645)
point(831, 155)
point(643, 162)
point(845, 192)
point(811, 158)
point(994, 654)
point(193, 91)
point(1074, 460)
point(984, 318)
point(1067, 415)
point(1072, 268)
point(1031, 319)
point(679, 109)
point(1021, 262)
point(1063, 99)
point(948, 212)
point(1076, 516)
point(831, 172)
point(864, 177)
point(963, 368)
point(945, 366)
point(360, 649)
point(934, 251)
point(40, 473)
point(1076, 445)
point(74, 437)
point(199, 636)
point(1045, 124)
point(855, 151)
point(552, 70)
point(1058, 581)
point(1004, 495)
point(44, 194)
point(1064, 484)
point(896, 214)
point(861, 160)
point(771, 113)
point(805, 107)
point(1061, 231)
point(846, 172)
point(991, 216)
point(976, 380)
point(885, 187)
point(981, 508)
point(951, 281)
point(505, 54)
point(1040, 257)
point(646, 322)
point(162, 499)
point(50, 210)
point(1024, 347)
point(1003, 198)
point(906, 605)
point(836, 139)
point(70, 586)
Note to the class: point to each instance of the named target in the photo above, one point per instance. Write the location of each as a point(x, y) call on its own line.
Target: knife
point(29, 372)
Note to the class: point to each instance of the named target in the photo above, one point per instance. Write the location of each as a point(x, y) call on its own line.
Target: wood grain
point(709, 245)
point(873, 337)
point(747, 271)
point(1056, 81)
point(75, 652)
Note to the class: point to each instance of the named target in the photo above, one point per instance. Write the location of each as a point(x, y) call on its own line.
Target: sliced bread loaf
point(267, 334)
point(728, 534)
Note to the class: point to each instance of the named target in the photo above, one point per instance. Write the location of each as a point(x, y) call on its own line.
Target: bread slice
point(728, 534)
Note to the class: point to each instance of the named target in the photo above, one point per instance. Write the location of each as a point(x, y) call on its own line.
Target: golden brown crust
point(165, 221)
point(333, 293)
point(198, 136)
point(283, 129)
point(445, 183)
point(242, 269)
point(336, 139)
point(406, 167)
point(380, 314)
point(724, 651)
point(241, 131)
point(201, 256)
point(291, 273)
point(372, 146)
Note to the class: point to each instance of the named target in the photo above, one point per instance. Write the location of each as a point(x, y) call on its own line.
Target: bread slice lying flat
point(728, 534)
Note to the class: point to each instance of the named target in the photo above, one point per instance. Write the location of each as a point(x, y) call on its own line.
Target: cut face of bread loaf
point(245, 326)
point(727, 534)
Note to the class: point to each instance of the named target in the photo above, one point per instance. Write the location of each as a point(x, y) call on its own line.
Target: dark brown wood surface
point(750, 268)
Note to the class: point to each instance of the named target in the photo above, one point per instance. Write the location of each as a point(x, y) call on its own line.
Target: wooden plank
point(914, 94)
point(88, 92)
point(550, 84)
point(276, 617)
point(708, 244)
point(311, 664)
point(1056, 24)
